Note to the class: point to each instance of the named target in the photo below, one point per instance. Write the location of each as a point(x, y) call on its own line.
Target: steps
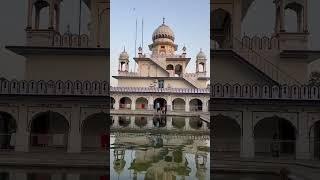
point(263, 64)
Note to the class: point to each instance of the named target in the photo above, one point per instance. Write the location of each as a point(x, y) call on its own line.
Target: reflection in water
point(149, 155)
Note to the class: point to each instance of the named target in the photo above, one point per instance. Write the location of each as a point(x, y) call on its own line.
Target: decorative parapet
point(79, 88)
point(294, 92)
point(103, 88)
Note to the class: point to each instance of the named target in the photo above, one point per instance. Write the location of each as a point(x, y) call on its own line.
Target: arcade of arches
point(266, 134)
point(148, 102)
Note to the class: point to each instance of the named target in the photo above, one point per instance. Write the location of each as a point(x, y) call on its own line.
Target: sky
point(188, 20)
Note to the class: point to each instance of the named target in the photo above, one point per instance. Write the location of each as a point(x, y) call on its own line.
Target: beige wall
point(229, 70)
point(175, 83)
point(67, 67)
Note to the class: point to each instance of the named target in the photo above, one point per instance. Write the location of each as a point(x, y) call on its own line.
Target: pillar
point(187, 105)
point(30, 7)
point(169, 123)
point(116, 103)
point(247, 139)
point(150, 122)
point(133, 104)
point(305, 16)
point(22, 136)
point(302, 140)
point(150, 103)
point(116, 122)
point(51, 15)
point(132, 124)
point(74, 141)
point(169, 103)
point(58, 19)
point(187, 126)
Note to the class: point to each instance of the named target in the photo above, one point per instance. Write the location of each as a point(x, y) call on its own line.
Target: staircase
point(191, 81)
point(263, 64)
point(160, 63)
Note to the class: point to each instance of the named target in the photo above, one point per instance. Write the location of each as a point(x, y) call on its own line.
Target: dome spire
point(163, 20)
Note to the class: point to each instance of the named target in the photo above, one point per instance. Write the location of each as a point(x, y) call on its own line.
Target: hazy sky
point(189, 20)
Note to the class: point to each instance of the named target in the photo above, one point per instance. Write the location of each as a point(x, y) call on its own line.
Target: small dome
point(163, 31)
point(124, 55)
point(201, 55)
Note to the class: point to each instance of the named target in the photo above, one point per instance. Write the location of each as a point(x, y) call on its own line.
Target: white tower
point(298, 39)
point(124, 61)
point(201, 63)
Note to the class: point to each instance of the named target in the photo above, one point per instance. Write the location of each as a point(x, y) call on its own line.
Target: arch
point(162, 103)
point(140, 121)
point(314, 140)
point(178, 122)
point(94, 132)
point(8, 128)
point(274, 136)
point(159, 121)
point(49, 131)
point(201, 67)
point(125, 103)
point(227, 135)
point(195, 123)
point(124, 121)
point(294, 15)
point(141, 103)
point(169, 67)
point(196, 105)
point(178, 70)
point(178, 104)
point(221, 27)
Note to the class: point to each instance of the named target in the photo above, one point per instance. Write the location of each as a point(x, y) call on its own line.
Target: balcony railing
point(48, 142)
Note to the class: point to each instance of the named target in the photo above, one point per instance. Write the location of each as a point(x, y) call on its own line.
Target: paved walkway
point(300, 169)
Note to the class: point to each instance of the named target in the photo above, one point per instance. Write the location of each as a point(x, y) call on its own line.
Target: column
point(37, 18)
point(150, 122)
point(22, 136)
point(187, 105)
point(187, 126)
point(302, 140)
point(30, 7)
point(116, 103)
point(58, 19)
point(51, 12)
point(247, 139)
point(116, 122)
point(281, 17)
point(205, 105)
point(74, 141)
point(305, 16)
point(132, 124)
point(169, 123)
point(150, 103)
point(133, 104)
point(169, 103)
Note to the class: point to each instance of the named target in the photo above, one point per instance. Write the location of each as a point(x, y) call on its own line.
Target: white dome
point(124, 55)
point(163, 31)
point(201, 55)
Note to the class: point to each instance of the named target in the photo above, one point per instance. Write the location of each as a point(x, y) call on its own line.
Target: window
point(161, 83)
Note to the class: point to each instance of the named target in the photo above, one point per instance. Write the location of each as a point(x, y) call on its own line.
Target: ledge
point(37, 50)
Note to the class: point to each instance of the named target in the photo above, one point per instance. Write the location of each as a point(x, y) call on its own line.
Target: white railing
point(48, 142)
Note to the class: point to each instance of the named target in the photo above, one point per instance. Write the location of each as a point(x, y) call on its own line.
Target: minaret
point(124, 61)
point(201, 63)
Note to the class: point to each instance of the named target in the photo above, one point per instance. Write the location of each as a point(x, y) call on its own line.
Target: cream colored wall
point(175, 83)
point(147, 68)
point(296, 68)
point(230, 70)
point(67, 67)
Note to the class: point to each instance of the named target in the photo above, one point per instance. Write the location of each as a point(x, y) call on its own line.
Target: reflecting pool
point(149, 148)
